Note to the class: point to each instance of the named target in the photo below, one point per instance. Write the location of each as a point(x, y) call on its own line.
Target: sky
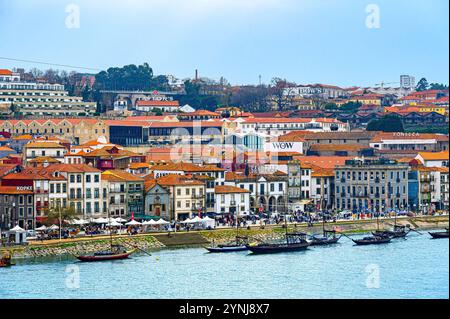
point(340, 42)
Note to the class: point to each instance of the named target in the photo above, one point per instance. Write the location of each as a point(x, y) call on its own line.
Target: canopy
point(79, 222)
point(42, 228)
point(186, 221)
point(120, 220)
point(149, 222)
point(196, 219)
point(17, 229)
point(205, 219)
point(53, 227)
point(162, 222)
point(114, 224)
point(101, 220)
point(133, 223)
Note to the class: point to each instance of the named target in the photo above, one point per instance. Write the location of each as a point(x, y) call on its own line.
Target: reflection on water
point(413, 268)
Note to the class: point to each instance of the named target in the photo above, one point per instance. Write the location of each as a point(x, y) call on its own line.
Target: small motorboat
point(116, 253)
point(329, 237)
point(439, 234)
point(294, 242)
point(372, 240)
point(238, 245)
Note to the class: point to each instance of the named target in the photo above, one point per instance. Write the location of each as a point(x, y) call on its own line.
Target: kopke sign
point(284, 147)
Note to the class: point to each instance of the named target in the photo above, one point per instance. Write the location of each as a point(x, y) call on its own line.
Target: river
point(417, 267)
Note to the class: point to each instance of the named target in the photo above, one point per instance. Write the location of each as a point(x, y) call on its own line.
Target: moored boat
point(439, 234)
point(5, 261)
point(116, 253)
point(372, 240)
point(239, 245)
point(294, 242)
point(329, 237)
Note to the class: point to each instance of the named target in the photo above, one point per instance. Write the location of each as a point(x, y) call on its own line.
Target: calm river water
point(417, 267)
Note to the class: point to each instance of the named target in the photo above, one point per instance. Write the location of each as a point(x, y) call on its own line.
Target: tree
point(422, 85)
point(351, 106)
point(438, 86)
point(157, 111)
point(54, 214)
point(281, 89)
point(330, 106)
point(388, 123)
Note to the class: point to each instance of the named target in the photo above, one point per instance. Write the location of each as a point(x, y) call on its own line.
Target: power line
point(47, 63)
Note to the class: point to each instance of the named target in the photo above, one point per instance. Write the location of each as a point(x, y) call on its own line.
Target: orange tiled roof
point(157, 103)
point(5, 72)
point(44, 145)
point(323, 161)
point(225, 189)
point(119, 175)
point(178, 180)
point(435, 156)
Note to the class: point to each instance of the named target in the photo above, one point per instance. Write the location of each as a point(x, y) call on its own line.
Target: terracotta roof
point(157, 103)
point(73, 168)
point(337, 147)
point(43, 159)
point(294, 136)
point(435, 156)
point(177, 180)
point(187, 167)
point(29, 173)
point(5, 72)
point(119, 175)
point(322, 172)
point(224, 189)
point(44, 145)
point(6, 148)
point(323, 161)
point(23, 137)
point(106, 152)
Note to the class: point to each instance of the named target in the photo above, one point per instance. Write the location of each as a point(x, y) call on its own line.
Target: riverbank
point(152, 241)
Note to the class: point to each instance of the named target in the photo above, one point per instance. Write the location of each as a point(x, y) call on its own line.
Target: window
point(88, 178)
point(88, 193)
point(78, 178)
point(96, 193)
point(72, 178)
point(96, 178)
point(187, 191)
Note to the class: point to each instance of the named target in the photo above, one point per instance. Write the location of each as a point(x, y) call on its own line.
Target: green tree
point(54, 215)
point(422, 85)
point(388, 123)
point(330, 106)
point(438, 86)
point(157, 111)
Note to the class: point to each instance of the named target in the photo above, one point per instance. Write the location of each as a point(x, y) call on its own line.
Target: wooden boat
point(116, 253)
point(5, 261)
point(439, 234)
point(399, 231)
point(372, 240)
point(294, 242)
point(329, 237)
point(238, 245)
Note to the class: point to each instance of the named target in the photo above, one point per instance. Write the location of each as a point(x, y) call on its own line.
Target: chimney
point(196, 75)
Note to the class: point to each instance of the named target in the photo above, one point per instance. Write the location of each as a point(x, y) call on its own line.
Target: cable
point(47, 63)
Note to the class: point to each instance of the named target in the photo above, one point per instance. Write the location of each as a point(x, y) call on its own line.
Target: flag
point(132, 215)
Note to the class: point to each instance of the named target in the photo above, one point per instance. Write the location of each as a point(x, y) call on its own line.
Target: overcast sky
point(306, 41)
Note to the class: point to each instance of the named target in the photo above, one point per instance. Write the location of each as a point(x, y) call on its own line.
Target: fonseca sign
point(284, 147)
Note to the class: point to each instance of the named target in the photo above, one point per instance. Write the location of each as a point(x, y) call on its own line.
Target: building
point(36, 149)
point(157, 200)
point(375, 185)
point(434, 159)
point(152, 105)
point(407, 82)
point(16, 207)
point(232, 200)
point(123, 193)
point(187, 195)
point(41, 99)
point(415, 142)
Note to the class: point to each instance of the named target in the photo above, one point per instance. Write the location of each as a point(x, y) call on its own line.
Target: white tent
point(133, 223)
point(20, 235)
point(162, 222)
point(149, 222)
point(196, 219)
point(208, 222)
point(101, 220)
point(42, 228)
point(53, 227)
point(186, 221)
point(17, 229)
point(114, 224)
point(120, 220)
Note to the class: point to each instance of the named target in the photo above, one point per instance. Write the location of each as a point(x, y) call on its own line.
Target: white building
point(231, 199)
